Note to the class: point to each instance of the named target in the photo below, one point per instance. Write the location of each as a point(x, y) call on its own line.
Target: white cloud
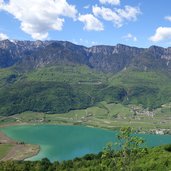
point(3, 36)
point(167, 18)
point(107, 14)
point(112, 2)
point(118, 16)
point(129, 36)
point(129, 13)
point(162, 33)
point(90, 22)
point(37, 17)
point(86, 7)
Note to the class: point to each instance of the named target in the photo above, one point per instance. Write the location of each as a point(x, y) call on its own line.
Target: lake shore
point(161, 131)
point(17, 150)
point(55, 143)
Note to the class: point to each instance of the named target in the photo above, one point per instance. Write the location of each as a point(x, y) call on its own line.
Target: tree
point(129, 147)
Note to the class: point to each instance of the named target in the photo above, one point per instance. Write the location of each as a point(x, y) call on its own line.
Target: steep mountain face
point(34, 54)
point(57, 53)
point(112, 58)
point(12, 52)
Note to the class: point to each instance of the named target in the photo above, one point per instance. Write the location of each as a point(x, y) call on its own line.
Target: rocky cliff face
point(33, 54)
point(113, 58)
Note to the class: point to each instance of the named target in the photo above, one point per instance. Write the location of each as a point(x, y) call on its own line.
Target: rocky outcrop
point(33, 54)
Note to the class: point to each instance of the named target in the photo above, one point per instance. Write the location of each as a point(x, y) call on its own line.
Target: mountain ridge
point(104, 58)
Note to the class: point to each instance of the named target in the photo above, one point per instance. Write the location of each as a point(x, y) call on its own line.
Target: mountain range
point(58, 76)
point(104, 58)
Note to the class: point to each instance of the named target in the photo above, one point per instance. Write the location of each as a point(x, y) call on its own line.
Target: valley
point(53, 84)
point(85, 85)
point(109, 116)
point(79, 95)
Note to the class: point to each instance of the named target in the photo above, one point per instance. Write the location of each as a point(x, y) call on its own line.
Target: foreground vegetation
point(130, 157)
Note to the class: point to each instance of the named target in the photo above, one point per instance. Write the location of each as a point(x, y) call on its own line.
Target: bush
point(168, 147)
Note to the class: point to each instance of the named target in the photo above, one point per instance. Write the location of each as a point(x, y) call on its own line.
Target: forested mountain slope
point(57, 76)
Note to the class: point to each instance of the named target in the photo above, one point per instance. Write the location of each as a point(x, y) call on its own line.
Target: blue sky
point(139, 23)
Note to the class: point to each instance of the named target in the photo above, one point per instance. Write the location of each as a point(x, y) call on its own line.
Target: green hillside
point(59, 89)
point(55, 90)
point(149, 88)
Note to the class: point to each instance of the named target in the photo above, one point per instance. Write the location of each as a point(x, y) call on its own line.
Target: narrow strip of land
point(12, 150)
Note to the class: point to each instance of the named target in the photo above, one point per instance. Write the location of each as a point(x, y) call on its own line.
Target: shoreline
point(18, 150)
point(158, 131)
point(21, 151)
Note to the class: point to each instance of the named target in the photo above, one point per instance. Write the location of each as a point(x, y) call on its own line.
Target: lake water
point(67, 142)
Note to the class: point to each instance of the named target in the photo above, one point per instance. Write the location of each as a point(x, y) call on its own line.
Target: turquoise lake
point(59, 142)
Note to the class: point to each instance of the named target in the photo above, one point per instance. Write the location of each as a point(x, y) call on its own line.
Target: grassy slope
point(149, 88)
point(59, 89)
point(104, 115)
point(55, 89)
point(4, 149)
point(67, 74)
